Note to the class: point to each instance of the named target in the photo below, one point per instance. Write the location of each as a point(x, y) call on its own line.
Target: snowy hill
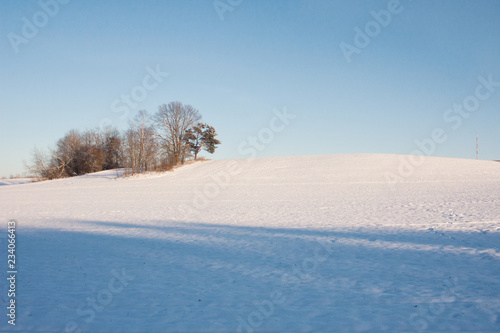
point(15, 181)
point(334, 243)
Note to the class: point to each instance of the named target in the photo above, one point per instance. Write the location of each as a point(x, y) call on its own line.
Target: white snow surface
point(285, 244)
point(15, 181)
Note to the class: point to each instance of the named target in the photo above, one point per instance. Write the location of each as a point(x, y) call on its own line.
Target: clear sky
point(239, 61)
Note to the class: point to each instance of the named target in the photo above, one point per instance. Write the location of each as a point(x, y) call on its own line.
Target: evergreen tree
point(201, 136)
point(209, 140)
point(194, 138)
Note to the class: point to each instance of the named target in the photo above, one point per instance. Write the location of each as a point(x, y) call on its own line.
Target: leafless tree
point(93, 143)
point(143, 126)
point(69, 155)
point(139, 148)
point(78, 153)
point(113, 148)
point(40, 165)
point(173, 120)
point(131, 148)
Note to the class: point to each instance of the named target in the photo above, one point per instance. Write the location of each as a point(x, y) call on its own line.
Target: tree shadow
point(196, 277)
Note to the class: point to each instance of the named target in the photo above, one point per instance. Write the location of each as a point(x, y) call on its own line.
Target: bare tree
point(131, 148)
point(69, 155)
point(173, 120)
point(144, 129)
point(93, 142)
point(41, 166)
point(79, 153)
point(113, 148)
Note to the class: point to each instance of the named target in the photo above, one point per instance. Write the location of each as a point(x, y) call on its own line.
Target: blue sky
point(262, 57)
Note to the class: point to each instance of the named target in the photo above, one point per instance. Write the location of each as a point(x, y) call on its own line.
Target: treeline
point(152, 142)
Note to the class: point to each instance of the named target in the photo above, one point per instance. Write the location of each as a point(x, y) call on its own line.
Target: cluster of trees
point(152, 142)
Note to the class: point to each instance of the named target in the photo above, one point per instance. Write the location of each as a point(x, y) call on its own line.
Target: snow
point(285, 244)
point(15, 181)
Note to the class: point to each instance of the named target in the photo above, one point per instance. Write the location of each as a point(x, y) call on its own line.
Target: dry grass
point(161, 169)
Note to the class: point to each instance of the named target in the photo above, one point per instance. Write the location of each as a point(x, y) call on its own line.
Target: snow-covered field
point(288, 244)
point(15, 181)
